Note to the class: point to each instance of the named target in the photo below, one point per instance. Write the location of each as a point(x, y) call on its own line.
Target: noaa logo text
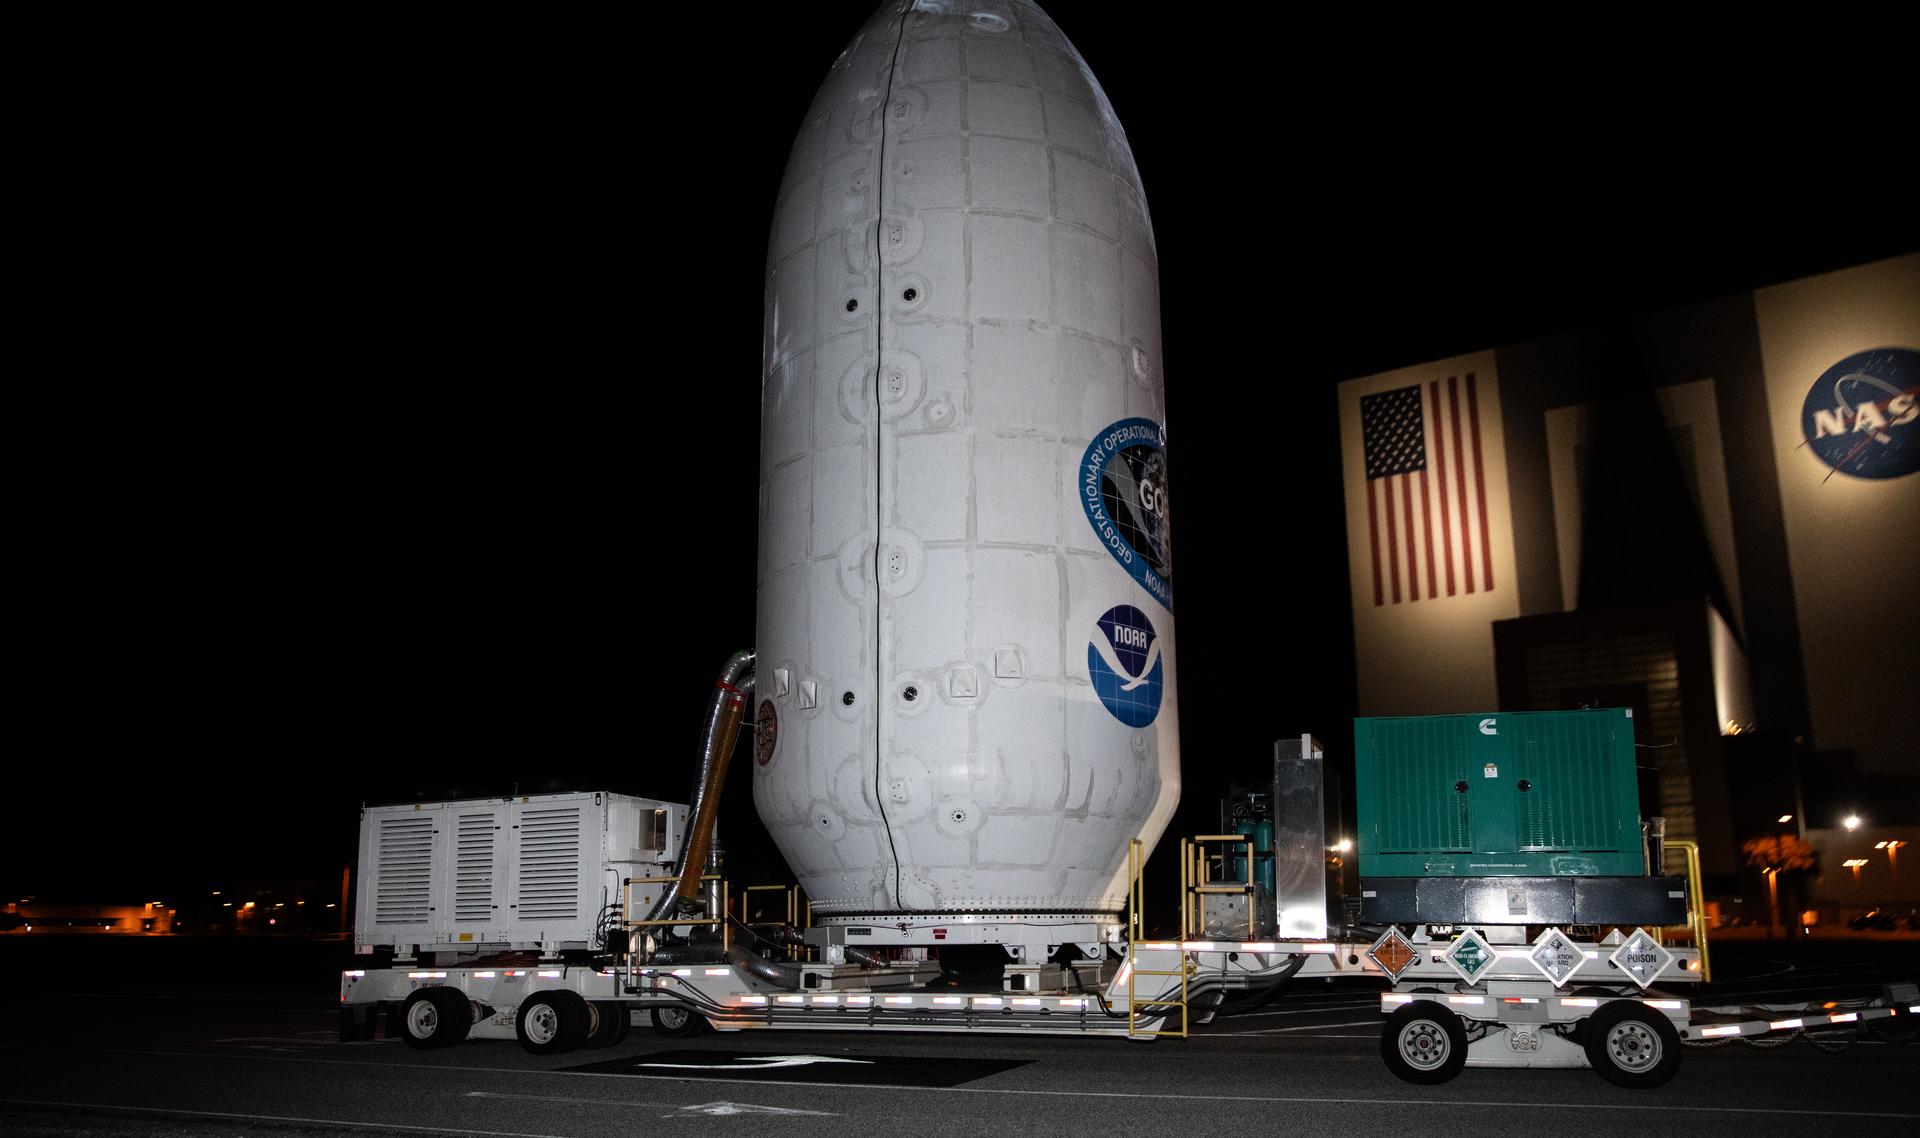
point(1124, 662)
point(1859, 416)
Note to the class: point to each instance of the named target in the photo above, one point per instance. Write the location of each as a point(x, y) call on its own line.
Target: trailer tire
point(1631, 1045)
point(678, 1022)
point(551, 1022)
point(1424, 1042)
point(609, 1023)
point(435, 1017)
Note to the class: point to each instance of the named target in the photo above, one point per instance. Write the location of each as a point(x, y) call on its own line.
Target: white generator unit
point(542, 872)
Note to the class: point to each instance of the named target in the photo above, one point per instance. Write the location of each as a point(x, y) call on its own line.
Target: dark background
point(403, 364)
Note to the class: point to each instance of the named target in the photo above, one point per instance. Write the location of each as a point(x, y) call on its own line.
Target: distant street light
point(1852, 822)
point(1784, 819)
point(1893, 867)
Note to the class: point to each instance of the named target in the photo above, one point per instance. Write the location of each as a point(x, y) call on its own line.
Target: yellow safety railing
point(720, 919)
point(1197, 881)
point(793, 952)
point(1696, 904)
point(1136, 930)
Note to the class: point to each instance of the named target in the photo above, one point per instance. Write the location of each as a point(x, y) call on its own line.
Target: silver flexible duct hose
point(730, 694)
point(782, 975)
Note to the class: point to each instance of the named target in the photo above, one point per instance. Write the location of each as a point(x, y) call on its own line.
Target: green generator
point(1505, 817)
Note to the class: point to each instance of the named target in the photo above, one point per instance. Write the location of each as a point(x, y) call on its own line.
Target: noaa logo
point(1123, 488)
point(1859, 416)
point(1124, 661)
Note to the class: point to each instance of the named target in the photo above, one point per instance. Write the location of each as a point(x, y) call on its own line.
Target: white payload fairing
point(965, 700)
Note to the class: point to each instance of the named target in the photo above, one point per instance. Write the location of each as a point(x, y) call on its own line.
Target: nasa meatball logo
point(1123, 488)
point(1124, 661)
point(1860, 415)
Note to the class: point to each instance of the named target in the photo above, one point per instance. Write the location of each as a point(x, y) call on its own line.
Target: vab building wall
point(1781, 422)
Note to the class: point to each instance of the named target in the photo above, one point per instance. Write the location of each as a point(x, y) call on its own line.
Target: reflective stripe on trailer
point(1794, 1023)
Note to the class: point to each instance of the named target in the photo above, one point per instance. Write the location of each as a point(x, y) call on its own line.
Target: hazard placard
point(1641, 957)
point(1471, 956)
point(1556, 956)
point(1393, 953)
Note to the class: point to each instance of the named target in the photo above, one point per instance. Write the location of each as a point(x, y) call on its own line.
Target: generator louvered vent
point(473, 867)
point(1419, 763)
point(549, 863)
point(404, 888)
point(1566, 759)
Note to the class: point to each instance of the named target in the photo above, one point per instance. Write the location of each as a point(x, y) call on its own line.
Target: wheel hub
point(543, 1025)
point(1633, 1047)
point(423, 1020)
point(1424, 1045)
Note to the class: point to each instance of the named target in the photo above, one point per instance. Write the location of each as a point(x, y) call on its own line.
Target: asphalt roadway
point(110, 1049)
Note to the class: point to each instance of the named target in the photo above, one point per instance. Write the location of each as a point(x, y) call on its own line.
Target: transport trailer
point(1140, 991)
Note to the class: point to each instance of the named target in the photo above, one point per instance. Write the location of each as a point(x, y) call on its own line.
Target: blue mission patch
point(1123, 488)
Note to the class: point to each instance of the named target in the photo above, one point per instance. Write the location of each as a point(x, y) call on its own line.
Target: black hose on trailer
point(1263, 995)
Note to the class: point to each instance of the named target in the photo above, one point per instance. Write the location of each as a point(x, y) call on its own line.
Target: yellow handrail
point(720, 919)
point(1696, 904)
point(792, 952)
point(1199, 883)
point(1136, 931)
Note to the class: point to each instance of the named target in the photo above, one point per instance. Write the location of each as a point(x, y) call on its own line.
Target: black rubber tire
point(1631, 1045)
point(435, 1017)
point(1424, 1042)
point(608, 1022)
point(551, 1022)
point(678, 1023)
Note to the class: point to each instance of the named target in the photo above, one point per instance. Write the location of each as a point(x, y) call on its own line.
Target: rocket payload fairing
point(965, 700)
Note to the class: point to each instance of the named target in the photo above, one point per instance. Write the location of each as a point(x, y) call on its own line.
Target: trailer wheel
point(1424, 1042)
point(435, 1017)
point(551, 1022)
point(608, 1023)
point(1631, 1045)
point(678, 1023)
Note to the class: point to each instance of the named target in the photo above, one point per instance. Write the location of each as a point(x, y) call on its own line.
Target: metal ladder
point(1161, 1008)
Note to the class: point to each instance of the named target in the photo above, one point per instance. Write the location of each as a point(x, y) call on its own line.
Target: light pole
point(1773, 900)
point(1893, 868)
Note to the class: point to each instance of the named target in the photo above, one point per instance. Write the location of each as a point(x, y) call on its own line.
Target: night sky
point(404, 364)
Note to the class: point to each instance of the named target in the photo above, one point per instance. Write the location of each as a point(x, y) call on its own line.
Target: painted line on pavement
point(272, 1118)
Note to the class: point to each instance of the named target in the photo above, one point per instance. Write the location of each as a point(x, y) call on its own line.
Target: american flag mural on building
point(1426, 491)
